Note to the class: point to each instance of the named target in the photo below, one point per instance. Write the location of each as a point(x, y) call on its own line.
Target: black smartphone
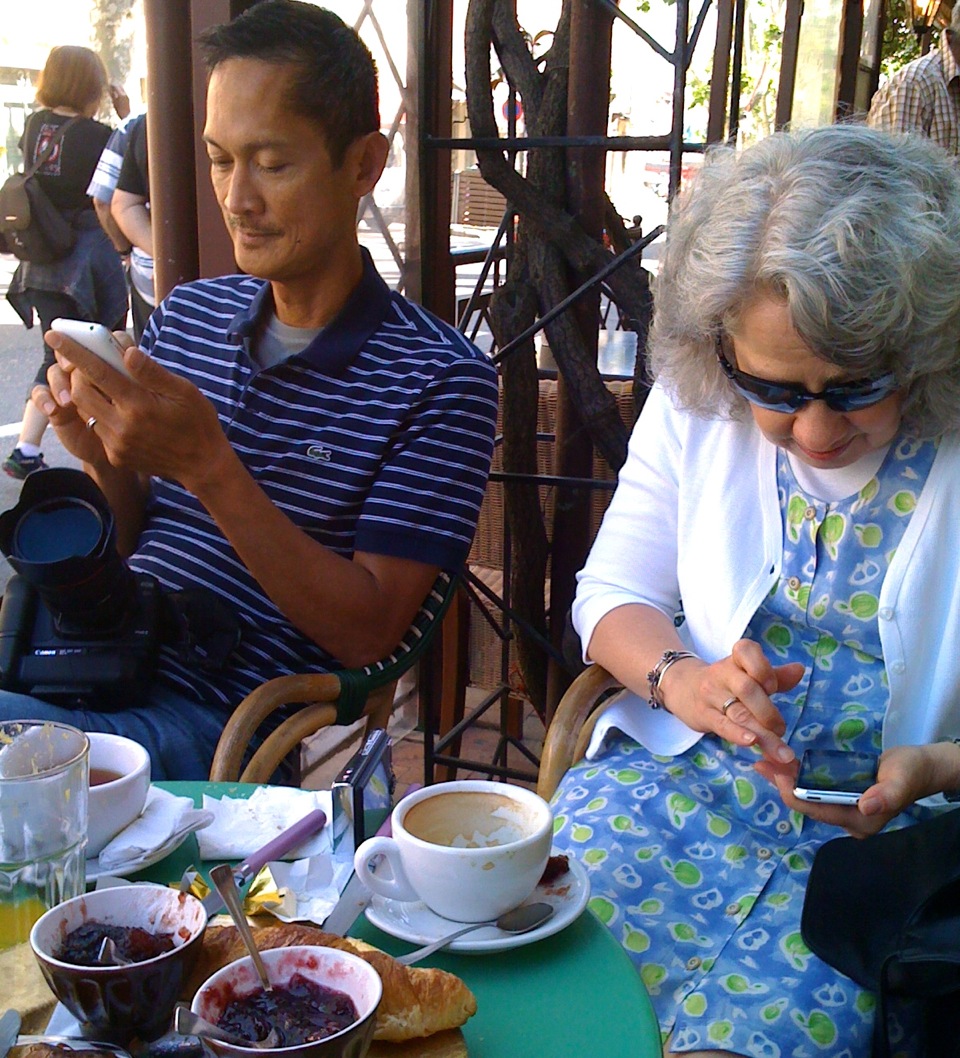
point(835, 777)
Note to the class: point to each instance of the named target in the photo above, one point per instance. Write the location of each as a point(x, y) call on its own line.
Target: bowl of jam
point(156, 934)
point(322, 1004)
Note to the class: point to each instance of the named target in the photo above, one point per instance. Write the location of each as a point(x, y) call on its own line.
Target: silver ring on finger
point(91, 422)
point(726, 705)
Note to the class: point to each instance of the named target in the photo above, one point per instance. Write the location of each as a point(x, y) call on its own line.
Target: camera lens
point(58, 529)
point(60, 538)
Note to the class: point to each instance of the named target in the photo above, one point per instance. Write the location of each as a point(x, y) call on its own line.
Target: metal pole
point(851, 34)
point(170, 144)
point(431, 273)
point(679, 96)
point(414, 152)
point(789, 51)
point(587, 105)
point(719, 81)
point(215, 247)
point(436, 265)
point(737, 79)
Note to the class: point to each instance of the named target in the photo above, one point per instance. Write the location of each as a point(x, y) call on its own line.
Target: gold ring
point(91, 422)
point(726, 705)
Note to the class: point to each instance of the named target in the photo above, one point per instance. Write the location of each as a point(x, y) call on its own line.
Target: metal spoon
point(222, 878)
point(521, 919)
point(109, 954)
point(189, 1024)
point(72, 1043)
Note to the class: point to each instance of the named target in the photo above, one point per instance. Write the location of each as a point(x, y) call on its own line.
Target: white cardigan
point(696, 517)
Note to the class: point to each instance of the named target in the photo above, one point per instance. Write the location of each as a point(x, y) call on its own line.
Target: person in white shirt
point(779, 570)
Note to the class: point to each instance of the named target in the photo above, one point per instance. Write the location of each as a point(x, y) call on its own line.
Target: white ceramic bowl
point(116, 804)
point(340, 970)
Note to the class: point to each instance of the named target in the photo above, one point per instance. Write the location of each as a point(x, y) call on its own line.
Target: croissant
point(417, 1001)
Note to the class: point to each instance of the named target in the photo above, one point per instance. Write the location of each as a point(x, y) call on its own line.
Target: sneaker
point(17, 465)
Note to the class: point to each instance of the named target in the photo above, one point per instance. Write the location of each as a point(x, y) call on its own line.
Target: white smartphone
point(835, 777)
point(96, 338)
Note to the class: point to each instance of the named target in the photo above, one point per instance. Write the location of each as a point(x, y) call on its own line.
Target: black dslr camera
point(76, 623)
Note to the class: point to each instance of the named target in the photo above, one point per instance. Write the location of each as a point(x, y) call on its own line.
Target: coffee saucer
point(416, 923)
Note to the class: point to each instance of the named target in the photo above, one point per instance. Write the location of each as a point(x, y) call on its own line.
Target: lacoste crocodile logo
point(319, 454)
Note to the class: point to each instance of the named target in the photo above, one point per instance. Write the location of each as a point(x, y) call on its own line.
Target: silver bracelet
point(656, 674)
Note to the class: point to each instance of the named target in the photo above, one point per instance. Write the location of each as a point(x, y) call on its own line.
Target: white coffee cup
point(469, 850)
point(119, 783)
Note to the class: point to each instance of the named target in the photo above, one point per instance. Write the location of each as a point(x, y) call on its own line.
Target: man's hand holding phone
point(114, 405)
point(67, 398)
point(97, 339)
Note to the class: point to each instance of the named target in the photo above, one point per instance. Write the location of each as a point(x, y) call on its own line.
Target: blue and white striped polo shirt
point(377, 437)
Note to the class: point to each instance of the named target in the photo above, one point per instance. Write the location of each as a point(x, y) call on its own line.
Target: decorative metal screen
point(383, 27)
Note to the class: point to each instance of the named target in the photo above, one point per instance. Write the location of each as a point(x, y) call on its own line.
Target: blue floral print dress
point(694, 862)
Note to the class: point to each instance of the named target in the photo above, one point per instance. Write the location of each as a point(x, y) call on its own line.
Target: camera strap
point(200, 627)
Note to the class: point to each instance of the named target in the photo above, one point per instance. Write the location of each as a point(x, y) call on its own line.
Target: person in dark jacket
point(88, 283)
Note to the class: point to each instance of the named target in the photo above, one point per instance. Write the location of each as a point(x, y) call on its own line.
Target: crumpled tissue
point(243, 825)
point(310, 885)
point(303, 891)
point(310, 888)
point(165, 818)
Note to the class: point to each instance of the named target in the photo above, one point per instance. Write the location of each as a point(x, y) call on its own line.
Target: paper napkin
point(241, 826)
point(164, 817)
point(310, 888)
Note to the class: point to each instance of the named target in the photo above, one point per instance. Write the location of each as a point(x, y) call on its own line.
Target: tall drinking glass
point(44, 782)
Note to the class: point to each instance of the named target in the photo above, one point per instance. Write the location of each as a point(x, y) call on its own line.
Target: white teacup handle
point(374, 860)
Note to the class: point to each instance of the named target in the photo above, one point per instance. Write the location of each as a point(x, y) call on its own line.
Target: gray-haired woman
point(786, 521)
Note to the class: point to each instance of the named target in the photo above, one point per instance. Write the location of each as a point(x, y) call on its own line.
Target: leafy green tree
point(899, 41)
point(112, 35)
point(759, 76)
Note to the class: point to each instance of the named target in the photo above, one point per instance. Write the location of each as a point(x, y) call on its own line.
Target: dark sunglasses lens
point(779, 398)
point(769, 395)
point(854, 400)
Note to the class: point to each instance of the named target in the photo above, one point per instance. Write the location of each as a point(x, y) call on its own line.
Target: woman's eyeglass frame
point(790, 397)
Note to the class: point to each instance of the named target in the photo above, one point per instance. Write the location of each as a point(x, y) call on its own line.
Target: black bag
point(30, 224)
point(885, 911)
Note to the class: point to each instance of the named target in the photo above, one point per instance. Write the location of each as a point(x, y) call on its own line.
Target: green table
point(573, 994)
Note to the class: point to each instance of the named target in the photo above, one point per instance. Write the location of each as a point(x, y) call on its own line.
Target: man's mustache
point(249, 229)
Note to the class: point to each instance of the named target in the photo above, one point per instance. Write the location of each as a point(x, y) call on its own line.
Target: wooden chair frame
point(325, 698)
point(572, 725)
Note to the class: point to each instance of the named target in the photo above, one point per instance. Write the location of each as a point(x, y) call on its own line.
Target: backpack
point(885, 911)
point(30, 224)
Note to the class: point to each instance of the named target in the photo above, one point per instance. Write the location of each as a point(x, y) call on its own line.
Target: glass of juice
point(44, 783)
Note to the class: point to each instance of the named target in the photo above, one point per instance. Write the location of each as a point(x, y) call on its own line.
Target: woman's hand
point(731, 698)
point(905, 774)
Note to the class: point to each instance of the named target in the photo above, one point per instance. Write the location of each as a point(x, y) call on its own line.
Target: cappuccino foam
point(466, 820)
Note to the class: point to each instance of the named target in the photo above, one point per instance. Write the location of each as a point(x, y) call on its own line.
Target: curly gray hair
point(858, 231)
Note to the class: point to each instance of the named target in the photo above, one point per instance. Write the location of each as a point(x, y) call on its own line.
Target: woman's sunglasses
point(789, 397)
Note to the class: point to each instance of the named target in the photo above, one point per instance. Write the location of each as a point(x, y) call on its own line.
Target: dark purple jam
point(82, 946)
point(300, 1011)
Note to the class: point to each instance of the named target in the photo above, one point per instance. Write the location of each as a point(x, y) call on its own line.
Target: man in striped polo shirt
point(300, 440)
